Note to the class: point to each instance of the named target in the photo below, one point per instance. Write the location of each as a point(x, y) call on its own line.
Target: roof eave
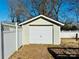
point(61, 24)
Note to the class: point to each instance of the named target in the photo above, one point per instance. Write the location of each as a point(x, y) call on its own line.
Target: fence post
point(76, 36)
point(16, 24)
point(1, 42)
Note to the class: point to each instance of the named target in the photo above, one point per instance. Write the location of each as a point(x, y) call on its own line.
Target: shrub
point(67, 27)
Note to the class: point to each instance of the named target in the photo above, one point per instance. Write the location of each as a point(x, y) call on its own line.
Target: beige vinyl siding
point(57, 40)
point(40, 21)
point(25, 35)
point(25, 31)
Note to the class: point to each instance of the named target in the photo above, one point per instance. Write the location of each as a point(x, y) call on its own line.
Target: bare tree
point(18, 8)
point(40, 6)
point(53, 10)
point(74, 8)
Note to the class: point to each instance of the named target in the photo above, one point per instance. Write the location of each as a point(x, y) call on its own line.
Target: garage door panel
point(40, 35)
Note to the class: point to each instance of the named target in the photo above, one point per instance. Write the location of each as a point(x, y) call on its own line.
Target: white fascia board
point(53, 20)
point(29, 20)
point(44, 17)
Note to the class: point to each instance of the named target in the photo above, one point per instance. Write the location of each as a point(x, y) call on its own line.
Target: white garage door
point(41, 35)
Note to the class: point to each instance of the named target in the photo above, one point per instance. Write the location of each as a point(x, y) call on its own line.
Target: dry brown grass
point(70, 42)
point(32, 52)
point(40, 51)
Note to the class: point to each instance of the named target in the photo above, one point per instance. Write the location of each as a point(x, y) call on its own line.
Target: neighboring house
point(41, 30)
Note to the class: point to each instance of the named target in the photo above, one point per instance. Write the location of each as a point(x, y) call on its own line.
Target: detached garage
point(41, 30)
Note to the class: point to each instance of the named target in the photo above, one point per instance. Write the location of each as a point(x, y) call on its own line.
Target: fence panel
point(10, 42)
point(19, 38)
point(69, 34)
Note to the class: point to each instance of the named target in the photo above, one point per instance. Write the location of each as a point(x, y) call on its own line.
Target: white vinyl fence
point(8, 47)
point(69, 34)
point(8, 41)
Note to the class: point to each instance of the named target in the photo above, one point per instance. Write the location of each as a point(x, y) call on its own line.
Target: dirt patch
point(33, 52)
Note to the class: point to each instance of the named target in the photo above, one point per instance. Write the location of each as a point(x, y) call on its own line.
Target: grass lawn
point(40, 51)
